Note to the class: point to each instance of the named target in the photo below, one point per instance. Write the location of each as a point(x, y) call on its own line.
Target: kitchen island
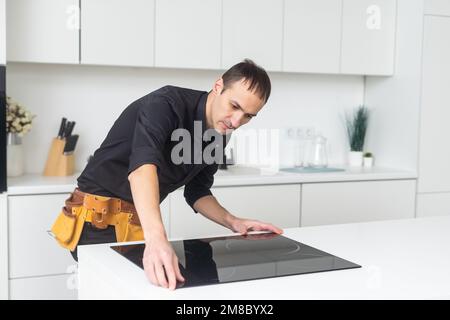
point(400, 259)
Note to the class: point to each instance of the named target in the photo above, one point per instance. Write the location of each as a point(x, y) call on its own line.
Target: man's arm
point(159, 258)
point(209, 207)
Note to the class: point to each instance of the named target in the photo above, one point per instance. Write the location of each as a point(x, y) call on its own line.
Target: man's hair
point(251, 73)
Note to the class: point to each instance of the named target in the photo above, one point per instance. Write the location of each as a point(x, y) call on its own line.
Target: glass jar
point(317, 155)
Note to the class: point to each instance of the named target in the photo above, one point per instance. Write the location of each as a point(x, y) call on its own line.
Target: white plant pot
point(368, 162)
point(14, 155)
point(355, 158)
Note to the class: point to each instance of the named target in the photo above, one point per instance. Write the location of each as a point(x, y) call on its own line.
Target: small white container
point(368, 162)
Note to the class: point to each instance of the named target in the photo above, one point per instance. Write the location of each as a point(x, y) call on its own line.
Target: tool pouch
point(69, 224)
point(126, 230)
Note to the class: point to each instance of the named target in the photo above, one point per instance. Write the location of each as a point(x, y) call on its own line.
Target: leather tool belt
point(101, 212)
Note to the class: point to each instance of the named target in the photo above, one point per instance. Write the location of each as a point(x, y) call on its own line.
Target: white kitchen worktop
point(400, 259)
point(234, 176)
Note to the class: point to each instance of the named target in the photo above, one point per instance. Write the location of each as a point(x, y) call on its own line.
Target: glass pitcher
point(318, 153)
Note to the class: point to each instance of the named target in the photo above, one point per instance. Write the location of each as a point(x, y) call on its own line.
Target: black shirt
point(142, 135)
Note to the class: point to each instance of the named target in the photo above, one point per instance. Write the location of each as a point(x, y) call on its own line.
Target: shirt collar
point(200, 114)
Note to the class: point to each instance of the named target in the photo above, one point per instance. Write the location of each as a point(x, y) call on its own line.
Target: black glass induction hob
point(237, 258)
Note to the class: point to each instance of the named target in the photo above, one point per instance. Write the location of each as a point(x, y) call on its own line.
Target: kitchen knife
point(71, 142)
point(62, 127)
point(70, 128)
point(66, 130)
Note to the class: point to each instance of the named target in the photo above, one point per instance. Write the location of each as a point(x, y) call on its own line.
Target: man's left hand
point(243, 226)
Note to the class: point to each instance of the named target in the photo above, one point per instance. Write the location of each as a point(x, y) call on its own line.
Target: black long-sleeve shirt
point(142, 135)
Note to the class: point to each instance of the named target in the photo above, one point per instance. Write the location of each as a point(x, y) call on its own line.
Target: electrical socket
point(299, 133)
point(309, 132)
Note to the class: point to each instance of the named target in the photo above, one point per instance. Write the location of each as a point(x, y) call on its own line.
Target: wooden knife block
point(57, 163)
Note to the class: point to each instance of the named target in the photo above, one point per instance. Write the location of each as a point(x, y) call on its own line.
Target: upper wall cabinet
point(188, 33)
point(42, 31)
point(117, 32)
point(437, 7)
point(312, 35)
point(368, 37)
point(252, 29)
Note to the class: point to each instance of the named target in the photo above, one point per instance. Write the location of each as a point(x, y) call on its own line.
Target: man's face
point(233, 107)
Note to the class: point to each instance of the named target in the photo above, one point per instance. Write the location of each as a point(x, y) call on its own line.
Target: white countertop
point(234, 176)
point(400, 259)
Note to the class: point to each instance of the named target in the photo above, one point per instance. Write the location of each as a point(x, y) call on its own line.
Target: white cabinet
point(279, 205)
point(433, 204)
point(59, 287)
point(437, 7)
point(252, 29)
point(434, 153)
point(32, 251)
point(347, 202)
point(312, 36)
point(368, 37)
point(42, 31)
point(117, 32)
point(3, 247)
point(188, 33)
point(38, 267)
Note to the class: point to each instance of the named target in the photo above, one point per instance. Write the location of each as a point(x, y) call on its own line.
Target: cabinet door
point(312, 35)
point(433, 204)
point(347, 202)
point(279, 205)
point(437, 7)
point(368, 37)
point(252, 29)
point(3, 247)
point(59, 287)
point(32, 251)
point(42, 31)
point(188, 33)
point(117, 32)
point(434, 153)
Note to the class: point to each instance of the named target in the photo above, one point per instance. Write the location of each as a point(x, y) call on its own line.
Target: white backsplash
point(94, 96)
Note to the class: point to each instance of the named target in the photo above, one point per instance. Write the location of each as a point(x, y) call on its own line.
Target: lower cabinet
point(277, 204)
point(433, 204)
point(56, 287)
point(32, 251)
point(347, 202)
point(38, 267)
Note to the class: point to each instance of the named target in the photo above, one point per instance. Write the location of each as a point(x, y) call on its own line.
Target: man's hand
point(161, 263)
point(243, 226)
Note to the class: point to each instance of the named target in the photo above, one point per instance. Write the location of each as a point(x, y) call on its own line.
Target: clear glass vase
point(14, 153)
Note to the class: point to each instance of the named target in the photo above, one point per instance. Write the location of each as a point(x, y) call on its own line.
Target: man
point(135, 164)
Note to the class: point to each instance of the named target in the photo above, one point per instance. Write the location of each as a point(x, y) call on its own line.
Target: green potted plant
point(356, 124)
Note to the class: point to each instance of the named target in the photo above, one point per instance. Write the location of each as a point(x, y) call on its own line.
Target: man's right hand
point(161, 263)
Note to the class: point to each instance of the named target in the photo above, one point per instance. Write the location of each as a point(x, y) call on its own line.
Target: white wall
point(94, 96)
point(394, 130)
point(2, 32)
